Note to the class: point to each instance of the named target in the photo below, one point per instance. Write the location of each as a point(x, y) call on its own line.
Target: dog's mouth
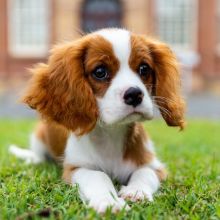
point(130, 117)
point(135, 116)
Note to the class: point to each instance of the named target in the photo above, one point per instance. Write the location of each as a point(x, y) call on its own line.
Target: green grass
point(192, 190)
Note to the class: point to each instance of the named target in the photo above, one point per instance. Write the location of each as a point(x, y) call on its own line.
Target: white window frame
point(194, 31)
point(26, 50)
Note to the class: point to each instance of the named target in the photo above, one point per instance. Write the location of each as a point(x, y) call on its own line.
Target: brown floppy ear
point(167, 97)
point(59, 91)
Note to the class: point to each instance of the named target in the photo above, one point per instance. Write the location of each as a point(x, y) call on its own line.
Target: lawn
point(192, 190)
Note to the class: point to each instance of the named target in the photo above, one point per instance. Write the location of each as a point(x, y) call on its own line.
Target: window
point(98, 14)
point(176, 22)
point(28, 27)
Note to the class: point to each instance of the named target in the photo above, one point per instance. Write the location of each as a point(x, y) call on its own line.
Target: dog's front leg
point(142, 184)
point(96, 189)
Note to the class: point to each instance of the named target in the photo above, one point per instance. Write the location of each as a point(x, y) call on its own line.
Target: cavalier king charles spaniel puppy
point(93, 94)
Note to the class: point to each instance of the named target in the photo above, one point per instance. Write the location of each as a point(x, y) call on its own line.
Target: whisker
point(164, 98)
point(164, 110)
point(160, 101)
point(162, 106)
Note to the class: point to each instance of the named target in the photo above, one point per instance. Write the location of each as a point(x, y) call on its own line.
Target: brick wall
point(138, 16)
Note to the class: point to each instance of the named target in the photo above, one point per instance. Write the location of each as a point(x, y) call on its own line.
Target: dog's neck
point(110, 136)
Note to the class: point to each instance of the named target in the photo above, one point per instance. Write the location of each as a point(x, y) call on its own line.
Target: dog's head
point(111, 76)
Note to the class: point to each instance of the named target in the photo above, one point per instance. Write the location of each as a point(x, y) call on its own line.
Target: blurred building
point(192, 27)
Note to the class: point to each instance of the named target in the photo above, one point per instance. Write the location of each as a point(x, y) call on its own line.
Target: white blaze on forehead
point(120, 40)
point(112, 107)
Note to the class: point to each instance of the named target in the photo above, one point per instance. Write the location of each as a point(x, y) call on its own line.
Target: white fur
point(112, 107)
point(98, 151)
point(97, 189)
point(150, 146)
point(142, 184)
point(36, 153)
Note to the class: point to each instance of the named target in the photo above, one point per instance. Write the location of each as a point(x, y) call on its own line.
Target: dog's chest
point(110, 156)
point(100, 151)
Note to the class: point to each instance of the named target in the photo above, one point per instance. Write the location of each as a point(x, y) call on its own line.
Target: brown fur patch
point(54, 136)
point(140, 54)
point(60, 91)
point(135, 150)
point(67, 172)
point(100, 52)
point(63, 90)
point(165, 66)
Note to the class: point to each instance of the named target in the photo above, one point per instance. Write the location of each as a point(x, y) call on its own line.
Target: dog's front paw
point(135, 194)
point(102, 204)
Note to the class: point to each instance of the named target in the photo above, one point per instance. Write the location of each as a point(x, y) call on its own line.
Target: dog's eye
point(144, 69)
point(100, 73)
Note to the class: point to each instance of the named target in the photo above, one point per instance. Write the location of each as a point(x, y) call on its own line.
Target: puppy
point(92, 95)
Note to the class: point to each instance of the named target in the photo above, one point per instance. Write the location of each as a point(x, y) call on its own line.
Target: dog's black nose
point(133, 96)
